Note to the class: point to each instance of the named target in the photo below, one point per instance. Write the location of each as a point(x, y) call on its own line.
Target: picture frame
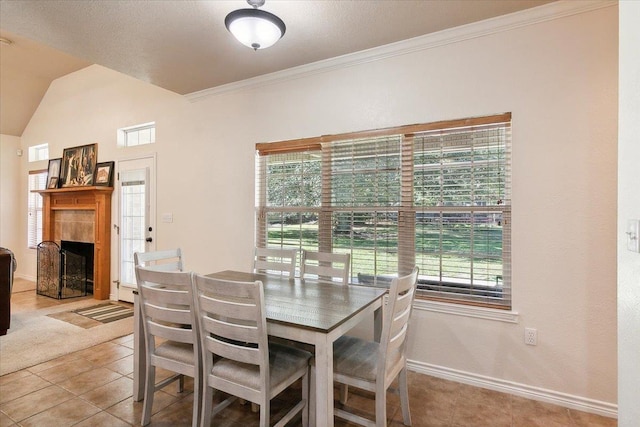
point(104, 174)
point(78, 166)
point(53, 173)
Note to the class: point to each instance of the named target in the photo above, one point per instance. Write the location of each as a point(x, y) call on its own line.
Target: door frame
point(118, 206)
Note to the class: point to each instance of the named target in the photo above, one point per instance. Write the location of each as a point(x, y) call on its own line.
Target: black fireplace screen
point(61, 273)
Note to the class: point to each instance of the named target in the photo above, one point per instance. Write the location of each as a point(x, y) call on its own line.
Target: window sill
point(507, 316)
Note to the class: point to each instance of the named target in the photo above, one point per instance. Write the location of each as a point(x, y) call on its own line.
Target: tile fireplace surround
point(82, 214)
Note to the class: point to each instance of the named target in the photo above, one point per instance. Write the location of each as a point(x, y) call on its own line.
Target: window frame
point(36, 181)
point(406, 210)
point(38, 152)
point(125, 133)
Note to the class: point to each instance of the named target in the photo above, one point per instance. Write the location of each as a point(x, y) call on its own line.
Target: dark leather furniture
point(7, 267)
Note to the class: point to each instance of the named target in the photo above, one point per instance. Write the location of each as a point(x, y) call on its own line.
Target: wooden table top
point(307, 303)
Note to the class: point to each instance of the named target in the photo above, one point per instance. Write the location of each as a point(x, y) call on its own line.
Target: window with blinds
point(37, 181)
point(433, 195)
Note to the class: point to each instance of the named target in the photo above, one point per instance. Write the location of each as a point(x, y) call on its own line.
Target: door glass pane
point(133, 222)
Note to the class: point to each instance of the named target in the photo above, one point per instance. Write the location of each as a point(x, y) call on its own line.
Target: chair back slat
point(168, 314)
point(401, 317)
point(325, 266)
point(231, 351)
point(164, 260)
point(166, 293)
point(171, 333)
point(275, 260)
point(238, 308)
point(247, 333)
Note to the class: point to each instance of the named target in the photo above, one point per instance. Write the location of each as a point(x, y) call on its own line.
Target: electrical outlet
point(530, 336)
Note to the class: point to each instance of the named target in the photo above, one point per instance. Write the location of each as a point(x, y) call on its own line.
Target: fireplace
point(85, 250)
point(82, 215)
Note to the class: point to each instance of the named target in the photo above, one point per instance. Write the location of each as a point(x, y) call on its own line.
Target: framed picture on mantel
point(104, 174)
point(53, 173)
point(78, 165)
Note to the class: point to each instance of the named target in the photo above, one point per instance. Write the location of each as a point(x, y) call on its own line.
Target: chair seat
point(358, 358)
point(355, 357)
point(178, 351)
point(283, 362)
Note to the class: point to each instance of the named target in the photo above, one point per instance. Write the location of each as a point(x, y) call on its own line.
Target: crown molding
point(547, 12)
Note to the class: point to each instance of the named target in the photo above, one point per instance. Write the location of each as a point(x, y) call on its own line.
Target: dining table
point(302, 310)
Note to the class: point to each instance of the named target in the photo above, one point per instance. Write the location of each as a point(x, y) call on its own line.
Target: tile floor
point(93, 387)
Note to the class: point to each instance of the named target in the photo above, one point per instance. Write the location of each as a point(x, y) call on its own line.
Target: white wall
point(558, 78)
point(629, 208)
point(10, 237)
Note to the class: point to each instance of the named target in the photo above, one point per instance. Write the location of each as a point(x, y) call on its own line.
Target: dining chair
point(170, 333)
point(275, 260)
point(374, 366)
point(325, 266)
point(165, 260)
point(237, 357)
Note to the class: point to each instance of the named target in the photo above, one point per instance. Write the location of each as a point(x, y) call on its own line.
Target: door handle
point(149, 239)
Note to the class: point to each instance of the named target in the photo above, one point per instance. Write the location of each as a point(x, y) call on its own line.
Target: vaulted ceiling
point(183, 46)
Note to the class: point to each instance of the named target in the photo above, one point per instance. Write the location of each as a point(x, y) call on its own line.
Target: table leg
point(139, 351)
point(324, 382)
point(377, 322)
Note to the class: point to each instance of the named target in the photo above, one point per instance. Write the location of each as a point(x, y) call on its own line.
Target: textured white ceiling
point(183, 46)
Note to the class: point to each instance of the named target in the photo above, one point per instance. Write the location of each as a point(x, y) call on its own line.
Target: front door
point(136, 191)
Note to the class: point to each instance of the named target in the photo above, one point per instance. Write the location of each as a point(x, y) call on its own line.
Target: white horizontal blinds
point(365, 198)
point(435, 195)
point(37, 181)
point(461, 197)
point(288, 199)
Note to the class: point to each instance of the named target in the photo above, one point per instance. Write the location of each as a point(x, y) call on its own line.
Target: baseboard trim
point(529, 392)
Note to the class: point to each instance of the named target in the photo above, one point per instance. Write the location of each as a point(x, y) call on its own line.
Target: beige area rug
point(36, 337)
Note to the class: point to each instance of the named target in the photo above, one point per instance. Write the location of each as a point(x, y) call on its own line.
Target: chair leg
point(197, 400)
point(381, 404)
point(265, 410)
point(305, 397)
point(344, 393)
point(181, 382)
point(149, 390)
point(312, 391)
point(404, 397)
point(207, 402)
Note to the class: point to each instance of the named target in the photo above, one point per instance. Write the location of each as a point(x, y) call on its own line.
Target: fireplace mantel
point(98, 200)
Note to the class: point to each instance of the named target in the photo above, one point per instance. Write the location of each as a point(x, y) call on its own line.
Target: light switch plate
point(633, 235)
point(167, 217)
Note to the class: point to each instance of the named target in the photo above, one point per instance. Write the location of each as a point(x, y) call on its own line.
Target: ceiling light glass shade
point(255, 28)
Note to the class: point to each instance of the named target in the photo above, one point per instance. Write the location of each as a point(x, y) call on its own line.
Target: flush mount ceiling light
point(255, 28)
